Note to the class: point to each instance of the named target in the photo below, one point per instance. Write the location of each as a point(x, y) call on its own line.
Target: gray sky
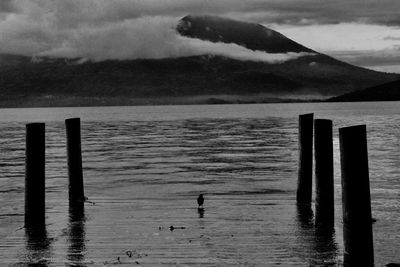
point(362, 32)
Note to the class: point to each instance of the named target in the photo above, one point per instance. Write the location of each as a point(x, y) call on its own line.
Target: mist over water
point(145, 166)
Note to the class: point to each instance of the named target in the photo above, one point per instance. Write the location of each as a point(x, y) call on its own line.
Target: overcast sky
point(362, 32)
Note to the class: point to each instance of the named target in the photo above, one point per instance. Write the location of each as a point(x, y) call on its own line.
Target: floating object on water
point(172, 228)
point(200, 200)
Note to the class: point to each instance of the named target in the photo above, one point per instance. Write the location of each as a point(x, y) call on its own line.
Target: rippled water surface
point(145, 166)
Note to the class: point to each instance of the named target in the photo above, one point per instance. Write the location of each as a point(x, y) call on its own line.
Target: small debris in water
point(22, 227)
point(204, 236)
point(88, 201)
point(135, 254)
point(172, 228)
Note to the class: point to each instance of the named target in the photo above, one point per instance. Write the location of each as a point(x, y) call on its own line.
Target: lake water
point(145, 166)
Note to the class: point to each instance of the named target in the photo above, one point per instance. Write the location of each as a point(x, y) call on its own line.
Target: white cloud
point(149, 37)
point(386, 68)
point(107, 27)
point(342, 36)
point(364, 45)
point(111, 29)
point(238, 52)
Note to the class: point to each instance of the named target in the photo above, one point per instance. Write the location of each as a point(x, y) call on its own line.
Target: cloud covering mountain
point(100, 35)
point(150, 38)
point(65, 27)
point(278, 67)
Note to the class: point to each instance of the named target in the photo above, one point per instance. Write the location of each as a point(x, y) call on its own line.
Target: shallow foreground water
point(145, 166)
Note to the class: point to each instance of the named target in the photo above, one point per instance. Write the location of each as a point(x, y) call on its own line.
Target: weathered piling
point(324, 197)
point(304, 186)
point(74, 157)
point(35, 175)
point(357, 220)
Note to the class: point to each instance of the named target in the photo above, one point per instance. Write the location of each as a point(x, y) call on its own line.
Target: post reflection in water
point(201, 212)
point(37, 246)
point(318, 240)
point(305, 216)
point(325, 244)
point(76, 234)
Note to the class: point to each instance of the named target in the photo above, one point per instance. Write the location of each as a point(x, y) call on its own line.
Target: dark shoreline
point(54, 102)
point(99, 101)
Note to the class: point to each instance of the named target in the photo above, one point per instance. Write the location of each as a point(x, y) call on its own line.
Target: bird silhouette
point(200, 200)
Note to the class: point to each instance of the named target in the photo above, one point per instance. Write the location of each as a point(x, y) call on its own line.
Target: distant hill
point(26, 81)
point(384, 92)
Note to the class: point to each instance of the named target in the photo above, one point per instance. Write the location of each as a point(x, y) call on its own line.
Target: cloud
point(368, 58)
point(391, 38)
point(342, 36)
point(112, 29)
point(363, 45)
point(149, 37)
point(301, 12)
point(386, 68)
point(8, 6)
point(102, 29)
point(73, 13)
point(241, 53)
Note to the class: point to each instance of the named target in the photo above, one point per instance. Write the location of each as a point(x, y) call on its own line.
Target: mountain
point(316, 74)
point(384, 92)
point(26, 81)
point(250, 35)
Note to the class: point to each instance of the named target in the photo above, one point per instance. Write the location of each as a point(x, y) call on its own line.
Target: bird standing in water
point(200, 200)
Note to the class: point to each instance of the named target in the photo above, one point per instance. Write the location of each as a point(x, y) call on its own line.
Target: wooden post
point(324, 197)
point(74, 156)
point(357, 220)
point(304, 185)
point(35, 175)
